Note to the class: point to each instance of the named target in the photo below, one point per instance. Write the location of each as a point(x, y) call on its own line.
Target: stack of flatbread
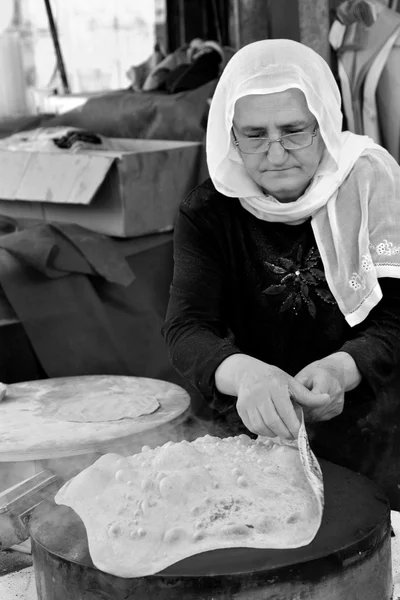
point(145, 512)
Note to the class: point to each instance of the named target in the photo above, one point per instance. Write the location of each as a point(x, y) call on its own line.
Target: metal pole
point(182, 24)
point(314, 25)
point(216, 21)
point(57, 47)
point(236, 24)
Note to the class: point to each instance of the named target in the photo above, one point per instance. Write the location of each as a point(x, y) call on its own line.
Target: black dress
point(243, 285)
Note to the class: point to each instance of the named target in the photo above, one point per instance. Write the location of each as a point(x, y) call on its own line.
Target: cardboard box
point(132, 190)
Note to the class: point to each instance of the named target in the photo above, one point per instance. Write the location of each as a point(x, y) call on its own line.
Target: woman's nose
point(276, 153)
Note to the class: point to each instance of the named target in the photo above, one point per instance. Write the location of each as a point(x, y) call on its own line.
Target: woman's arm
point(375, 343)
point(197, 336)
point(372, 355)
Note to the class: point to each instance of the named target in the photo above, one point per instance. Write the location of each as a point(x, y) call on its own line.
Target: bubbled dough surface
point(61, 417)
point(146, 512)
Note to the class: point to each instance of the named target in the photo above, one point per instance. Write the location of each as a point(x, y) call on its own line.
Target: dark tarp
point(89, 304)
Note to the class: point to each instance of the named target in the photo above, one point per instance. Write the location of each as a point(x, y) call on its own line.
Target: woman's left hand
point(333, 375)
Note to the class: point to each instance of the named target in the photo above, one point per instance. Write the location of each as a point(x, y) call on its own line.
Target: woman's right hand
point(265, 395)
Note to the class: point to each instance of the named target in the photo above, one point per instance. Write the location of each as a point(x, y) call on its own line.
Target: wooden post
point(305, 21)
point(248, 21)
point(314, 25)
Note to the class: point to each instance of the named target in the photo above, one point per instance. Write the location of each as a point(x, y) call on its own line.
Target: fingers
point(326, 411)
point(287, 414)
point(255, 423)
point(306, 397)
point(265, 402)
point(265, 422)
point(259, 423)
point(270, 415)
point(303, 379)
point(298, 410)
point(311, 381)
point(318, 385)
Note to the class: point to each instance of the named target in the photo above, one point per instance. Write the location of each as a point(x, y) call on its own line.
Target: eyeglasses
point(292, 141)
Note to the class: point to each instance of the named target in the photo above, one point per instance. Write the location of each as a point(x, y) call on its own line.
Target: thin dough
point(146, 512)
point(100, 399)
point(108, 409)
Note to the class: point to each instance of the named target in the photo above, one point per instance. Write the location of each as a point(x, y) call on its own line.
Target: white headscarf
point(354, 204)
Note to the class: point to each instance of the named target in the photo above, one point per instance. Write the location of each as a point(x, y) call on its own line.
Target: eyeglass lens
point(289, 142)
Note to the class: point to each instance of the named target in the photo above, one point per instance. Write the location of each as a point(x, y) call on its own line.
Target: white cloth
point(354, 197)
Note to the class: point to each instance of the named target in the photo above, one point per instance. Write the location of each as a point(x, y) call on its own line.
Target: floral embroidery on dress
point(297, 279)
point(367, 263)
point(357, 282)
point(386, 248)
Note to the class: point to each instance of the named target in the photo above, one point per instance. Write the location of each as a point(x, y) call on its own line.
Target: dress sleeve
point(197, 337)
point(375, 343)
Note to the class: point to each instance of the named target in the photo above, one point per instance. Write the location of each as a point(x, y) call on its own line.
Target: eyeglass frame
point(313, 134)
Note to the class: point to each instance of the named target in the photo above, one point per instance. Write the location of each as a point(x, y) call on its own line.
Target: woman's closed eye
point(291, 131)
point(255, 136)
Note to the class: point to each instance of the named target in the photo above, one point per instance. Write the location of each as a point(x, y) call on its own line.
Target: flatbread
point(108, 409)
point(105, 399)
point(146, 512)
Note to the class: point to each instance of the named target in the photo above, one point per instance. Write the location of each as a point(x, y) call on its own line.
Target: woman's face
point(285, 174)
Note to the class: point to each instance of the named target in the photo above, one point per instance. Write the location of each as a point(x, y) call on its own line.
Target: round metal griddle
point(33, 438)
point(348, 559)
point(32, 406)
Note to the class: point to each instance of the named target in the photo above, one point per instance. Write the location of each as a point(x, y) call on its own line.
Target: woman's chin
point(285, 194)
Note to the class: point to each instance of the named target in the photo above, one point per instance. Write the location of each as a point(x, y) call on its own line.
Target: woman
point(287, 260)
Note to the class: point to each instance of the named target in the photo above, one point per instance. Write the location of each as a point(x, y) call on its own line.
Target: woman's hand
point(264, 395)
point(333, 375)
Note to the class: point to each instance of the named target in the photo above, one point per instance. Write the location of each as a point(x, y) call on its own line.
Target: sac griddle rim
point(307, 569)
point(353, 552)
